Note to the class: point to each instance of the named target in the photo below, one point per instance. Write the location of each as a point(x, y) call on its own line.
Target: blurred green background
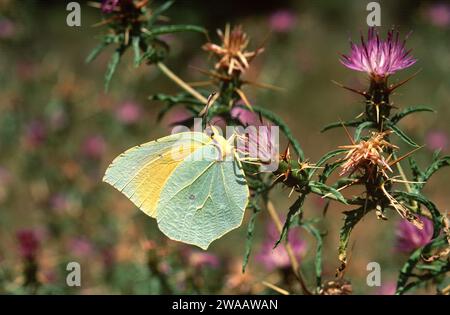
point(59, 131)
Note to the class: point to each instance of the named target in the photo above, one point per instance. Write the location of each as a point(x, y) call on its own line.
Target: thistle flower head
point(232, 54)
point(367, 153)
point(409, 237)
point(379, 58)
point(259, 143)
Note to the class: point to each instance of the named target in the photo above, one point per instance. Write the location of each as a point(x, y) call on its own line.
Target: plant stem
point(294, 263)
point(407, 185)
point(275, 288)
point(181, 83)
point(403, 176)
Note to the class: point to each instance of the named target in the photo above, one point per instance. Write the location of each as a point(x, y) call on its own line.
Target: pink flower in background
point(410, 238)
point(439, 14)
point(177, 116)
point(282, 21)
point(29, 242)
point(387, 288)
point(7, 28)
point(278, 258)
point(80, 247)
point(437, 140)
point(94, 146)
point(245, 116)
point(201, 259)
point(35, 134)
point(128, 113)
point(379, 58)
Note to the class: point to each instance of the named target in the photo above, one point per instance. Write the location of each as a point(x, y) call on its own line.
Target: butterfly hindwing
point(203, 199)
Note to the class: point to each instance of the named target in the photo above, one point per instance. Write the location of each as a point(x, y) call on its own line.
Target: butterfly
point(192, 183)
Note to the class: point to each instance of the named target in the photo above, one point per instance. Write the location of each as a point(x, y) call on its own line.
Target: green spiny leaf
point(351, 219)
point(328, 170)
point(250, 232)
point(294, 210)
point(434, 167)
point(98, 49)
point(402, 135)
point(157, 12)
point(436, 215)
point(326, 191)
point(112, 66)
point(413, 260)
point(319, 248)
point(343, 181)
point(350, 123)
point(416, 172)
point(361, 127)
point(409, 110)
point(325, 158)
point(168, 29)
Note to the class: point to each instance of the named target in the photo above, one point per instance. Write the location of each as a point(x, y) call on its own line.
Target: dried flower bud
point(232, 54)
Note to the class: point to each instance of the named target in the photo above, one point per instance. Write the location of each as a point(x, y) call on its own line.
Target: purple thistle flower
point(245, 116)
point(410, 238)
point(379, 58)
point(278, 258)
point(29, 243)
point(260, 141)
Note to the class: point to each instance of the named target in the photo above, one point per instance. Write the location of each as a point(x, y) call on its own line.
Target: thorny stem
point(181, 83)
point(294, 263)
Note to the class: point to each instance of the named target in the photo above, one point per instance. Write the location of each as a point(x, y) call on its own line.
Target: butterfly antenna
point(209, 101)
